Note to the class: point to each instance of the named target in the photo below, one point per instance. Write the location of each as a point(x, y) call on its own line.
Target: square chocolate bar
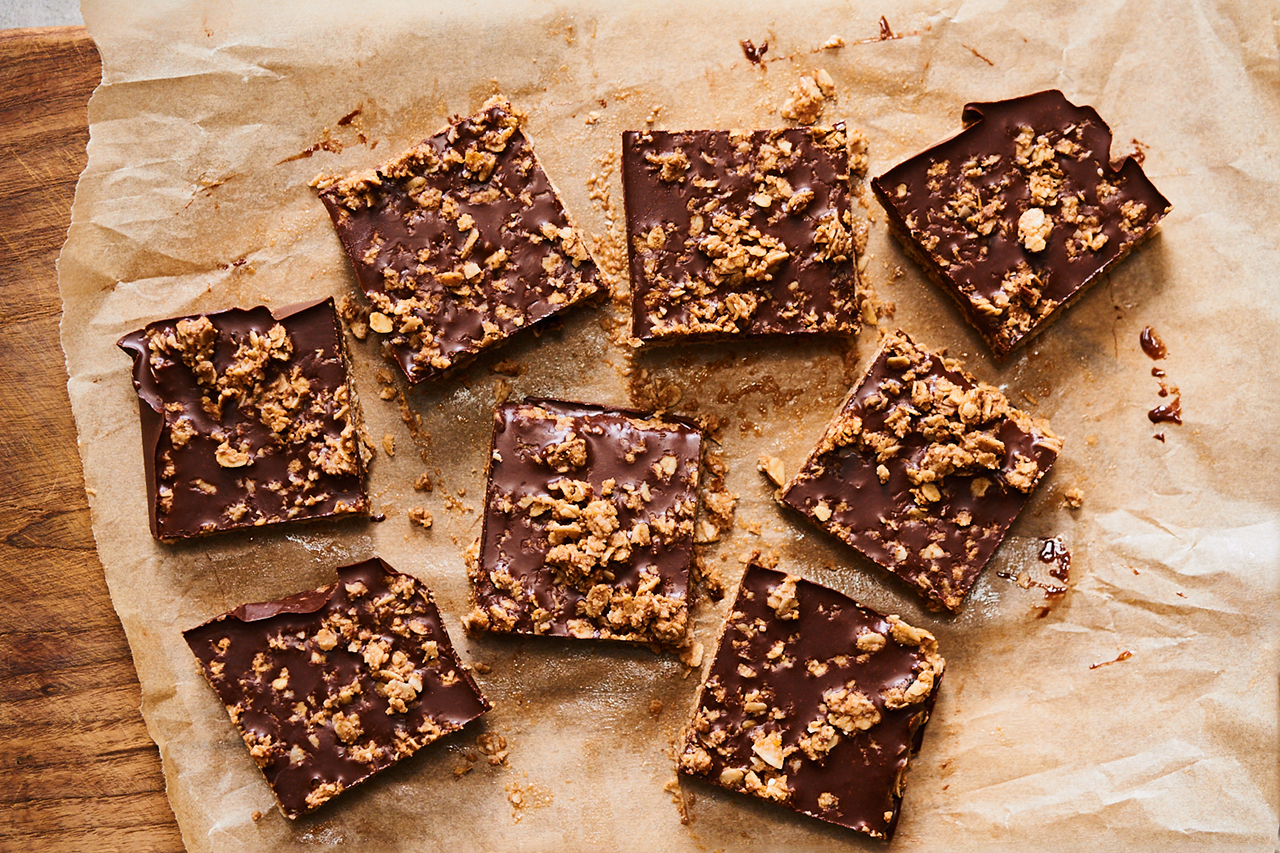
point(923, 469)
point(814, 702)
point(247, 420)
point(588, 525)
point(735, 233)
point(1020, 212)
point(459, 243)
point(330, 686)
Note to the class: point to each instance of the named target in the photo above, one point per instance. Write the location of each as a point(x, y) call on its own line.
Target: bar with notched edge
point(1019, 213)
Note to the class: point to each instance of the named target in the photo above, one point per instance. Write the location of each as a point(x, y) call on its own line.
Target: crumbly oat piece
point(589, 522)
point(923, 469)
point(459, 243)
point(247, 420)
point(807, 97)
point(1019, 213)
point(330, 686)
point(735, 233)
point(814, 702)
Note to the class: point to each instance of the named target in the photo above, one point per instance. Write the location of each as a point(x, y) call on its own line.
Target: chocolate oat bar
point(330, 686)
point(588, 525)
point(923, 469)
point(1020, 212)
point(459, 243)
point(247, 420)
point(814, 702)
point(735, 233)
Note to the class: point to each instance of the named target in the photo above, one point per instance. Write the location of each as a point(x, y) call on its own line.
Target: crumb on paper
point(389, 444)
point(508, 367)
point(420, 516)
point(771, 467)
point(423, 483)
point(527, 796)
point(494, 748)
point(806, 102)
point(1073, 498)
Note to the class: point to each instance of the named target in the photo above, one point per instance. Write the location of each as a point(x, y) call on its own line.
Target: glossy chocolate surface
point(923, 470)
point(1020, 212)
point(459, 243)
point(814, 702)
point(588, 525)
point(333, 685)
point(246, 420)
point(736, 233)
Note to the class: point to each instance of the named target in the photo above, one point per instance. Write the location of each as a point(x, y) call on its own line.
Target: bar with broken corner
point(588, 524)
point(923, 469)
point(459, 243)
point(247, 420)
point(814, 702)
point(1016, 215)
point(734, 233)
point(331, 686)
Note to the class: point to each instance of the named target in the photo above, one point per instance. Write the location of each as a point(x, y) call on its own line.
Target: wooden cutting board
point(79, 770)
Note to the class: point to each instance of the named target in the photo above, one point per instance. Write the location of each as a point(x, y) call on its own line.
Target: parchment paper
point(194, 200)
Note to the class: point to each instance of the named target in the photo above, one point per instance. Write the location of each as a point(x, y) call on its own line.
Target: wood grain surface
point(79, 770)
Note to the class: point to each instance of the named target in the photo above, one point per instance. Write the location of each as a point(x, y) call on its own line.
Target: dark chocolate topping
point(332, 685)
point(923, 470)
point(815, 702)
point(246, 419)
point(588, 527)
point(739, 233)
point(459, 243)
point(1020, 212)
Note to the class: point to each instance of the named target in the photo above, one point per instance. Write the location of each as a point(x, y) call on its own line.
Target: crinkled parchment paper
point(196, 198)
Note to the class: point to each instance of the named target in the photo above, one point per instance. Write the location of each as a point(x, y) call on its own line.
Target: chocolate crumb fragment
point(735, 233)
point(1020, 212)
point(588, 526)
point(331, 686)
point(459, 243)
point(754, 54)
point(923, 469)
point(247, 420)
point(814, 702)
